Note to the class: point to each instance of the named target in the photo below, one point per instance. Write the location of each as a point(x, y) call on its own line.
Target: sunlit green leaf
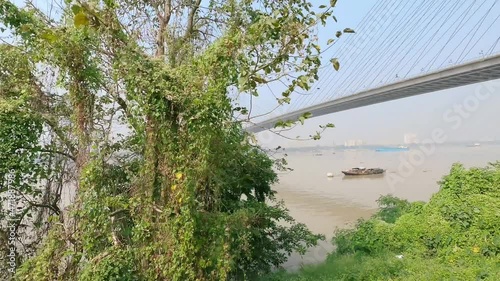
point(317, 47)
point(49, 36)
point(76, 9)
point(81, 19)
point(279, 124)
point(335, 63)
point(259, 79)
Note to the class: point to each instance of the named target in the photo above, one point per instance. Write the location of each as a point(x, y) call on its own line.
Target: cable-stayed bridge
point(403, 49)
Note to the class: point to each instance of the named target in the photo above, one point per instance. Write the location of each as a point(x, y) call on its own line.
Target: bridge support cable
point(426, 13)
point(477, 27)
point(460, 26)
point(374, 30)
point(358, 67)
point(344, 51)
point(399, 41)
point(408, 46)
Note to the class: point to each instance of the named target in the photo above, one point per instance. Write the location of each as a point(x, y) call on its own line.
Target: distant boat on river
point(360, 171)
point(474, 145)
point(390, 149)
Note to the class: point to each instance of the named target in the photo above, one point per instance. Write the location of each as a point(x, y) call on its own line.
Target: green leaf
point(110, 3)
point(335, 63)
point(333, 3)
point(76, 9)
point(302, 82)
point(348, 30)
point(49, 36)
point(334, 18)
point(81, 19)
point(322, 6)
point(242, 81)
point(317, 47)
point(307, 115)
point(330, 125)
point(25, 27)
point(259, 79)
point(338, 34)
point(330, 41)
point(284, 100)
point(302, 120)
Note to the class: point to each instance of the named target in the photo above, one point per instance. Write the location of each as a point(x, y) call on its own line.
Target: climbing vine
point(126, 134)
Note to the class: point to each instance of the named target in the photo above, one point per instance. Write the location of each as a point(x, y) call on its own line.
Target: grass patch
point(346, 267)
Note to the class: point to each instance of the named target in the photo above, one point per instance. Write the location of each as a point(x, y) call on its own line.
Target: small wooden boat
point(474, 145)
point(363, 171)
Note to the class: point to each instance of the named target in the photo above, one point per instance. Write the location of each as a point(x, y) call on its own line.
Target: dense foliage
point(118, 128)
point(455, 236)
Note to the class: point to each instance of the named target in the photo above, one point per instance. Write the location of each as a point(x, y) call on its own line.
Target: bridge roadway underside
point(474, 72)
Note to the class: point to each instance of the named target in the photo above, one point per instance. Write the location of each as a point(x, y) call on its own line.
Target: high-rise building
point(410, 138)
point(351, 143)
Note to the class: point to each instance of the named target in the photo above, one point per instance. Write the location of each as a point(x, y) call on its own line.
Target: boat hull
point(363, 172)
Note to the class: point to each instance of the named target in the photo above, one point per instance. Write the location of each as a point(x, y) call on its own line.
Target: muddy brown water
point(324, 203)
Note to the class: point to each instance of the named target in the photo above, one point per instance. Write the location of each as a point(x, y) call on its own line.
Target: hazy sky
point(458, 112)
point(387, 123)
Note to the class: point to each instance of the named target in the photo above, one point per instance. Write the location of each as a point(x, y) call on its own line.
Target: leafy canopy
point(118, 123)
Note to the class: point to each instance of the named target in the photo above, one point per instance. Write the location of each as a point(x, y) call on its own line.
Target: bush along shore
point(454, 236)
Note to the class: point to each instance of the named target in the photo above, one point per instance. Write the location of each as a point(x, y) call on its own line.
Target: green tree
point(130, 101)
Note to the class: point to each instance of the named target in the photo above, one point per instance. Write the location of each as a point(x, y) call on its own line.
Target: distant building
point(351, 143)
point(410, 138)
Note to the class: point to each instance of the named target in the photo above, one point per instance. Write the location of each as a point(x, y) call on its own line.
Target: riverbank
point(324, 204)
point(454, 236)
point(323, 217)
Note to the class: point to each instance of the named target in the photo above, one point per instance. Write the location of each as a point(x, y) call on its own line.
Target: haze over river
point(324, 204)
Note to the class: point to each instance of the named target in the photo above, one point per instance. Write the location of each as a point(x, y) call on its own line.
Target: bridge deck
point(473, 72)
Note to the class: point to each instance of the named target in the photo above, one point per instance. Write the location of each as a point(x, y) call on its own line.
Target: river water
point(324, 203)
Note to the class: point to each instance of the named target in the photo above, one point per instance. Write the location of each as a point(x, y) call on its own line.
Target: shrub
point(455, 236)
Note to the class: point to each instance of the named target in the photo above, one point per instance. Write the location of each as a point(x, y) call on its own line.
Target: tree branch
point(59, 133)
point(190, 23)
point(164, 21)
point(58, 152)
